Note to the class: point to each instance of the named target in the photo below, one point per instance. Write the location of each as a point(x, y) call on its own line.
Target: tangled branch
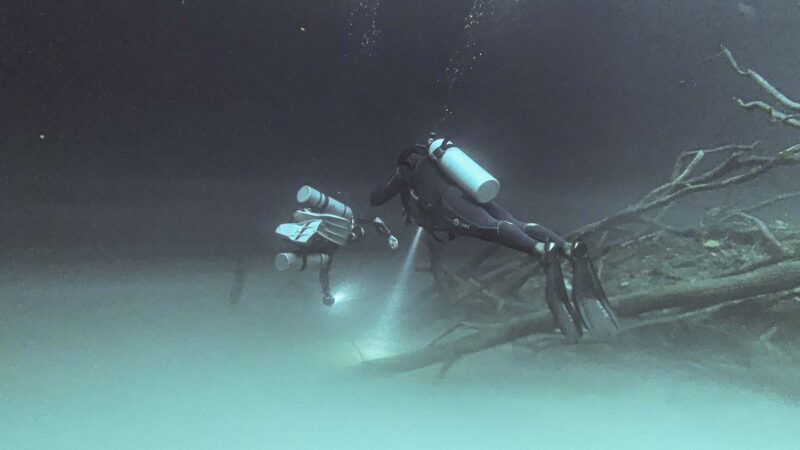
point(776, 116)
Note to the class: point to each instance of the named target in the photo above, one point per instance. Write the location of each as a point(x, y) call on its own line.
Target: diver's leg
point(591, 307)
point(499, 212)
point(544, 234)
point(325, 282)
point(488, 227)
point(534, 230)
point(467, 218)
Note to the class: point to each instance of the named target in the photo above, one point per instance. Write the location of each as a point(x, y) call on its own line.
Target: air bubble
point(362, 22)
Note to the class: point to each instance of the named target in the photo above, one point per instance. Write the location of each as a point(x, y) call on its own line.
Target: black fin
point(557, 298)
point(590, 300)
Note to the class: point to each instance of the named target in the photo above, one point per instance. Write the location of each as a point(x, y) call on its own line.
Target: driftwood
point(687, 296)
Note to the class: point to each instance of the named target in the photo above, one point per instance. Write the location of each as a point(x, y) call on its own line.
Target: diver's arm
point(383, 230)
point(388, 191)
point(383, 194)
point(380, 227)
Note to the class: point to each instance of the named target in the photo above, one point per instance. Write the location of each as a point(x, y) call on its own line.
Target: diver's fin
point(557, 298)
point(590, 300)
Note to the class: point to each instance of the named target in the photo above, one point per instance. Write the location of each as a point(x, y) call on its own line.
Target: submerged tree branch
point(721, 176)
point(688, 296)
point(761, 82)
point(775, 115)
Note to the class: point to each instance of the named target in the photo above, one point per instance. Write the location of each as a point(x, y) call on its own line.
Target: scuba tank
point(322, 203)
point(464, 171)
point(297, 261)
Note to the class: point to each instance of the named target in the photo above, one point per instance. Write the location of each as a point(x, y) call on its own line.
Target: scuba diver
point(321, 227)
point(445, 192)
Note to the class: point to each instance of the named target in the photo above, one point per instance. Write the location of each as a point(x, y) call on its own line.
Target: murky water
point(144, 352)
point(149, 355)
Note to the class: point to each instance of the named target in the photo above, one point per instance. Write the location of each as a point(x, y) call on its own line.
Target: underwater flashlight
point(340, 296)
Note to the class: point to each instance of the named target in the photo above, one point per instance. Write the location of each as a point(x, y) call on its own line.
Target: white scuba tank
point(297, 261)
point(322, 203)
point(465, 172)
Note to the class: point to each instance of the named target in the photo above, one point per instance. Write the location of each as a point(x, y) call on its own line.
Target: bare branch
point(690, 167)
point(772, 201)
point(718, 177)
point(360, 354)
point(725, 148)
point(775, 115)
point(775, 248)
point(445, 366)
point(761, 82)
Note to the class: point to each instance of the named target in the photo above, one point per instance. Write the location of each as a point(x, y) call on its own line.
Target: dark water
point(148, 149)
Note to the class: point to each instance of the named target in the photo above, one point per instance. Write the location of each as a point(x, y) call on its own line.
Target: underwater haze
point(149, 150)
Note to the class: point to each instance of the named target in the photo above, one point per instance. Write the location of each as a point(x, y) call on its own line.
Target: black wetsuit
point(438, 205)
